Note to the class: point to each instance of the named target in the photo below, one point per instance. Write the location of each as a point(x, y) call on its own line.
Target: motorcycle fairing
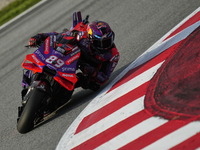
point(31, 66)
point(64, 65)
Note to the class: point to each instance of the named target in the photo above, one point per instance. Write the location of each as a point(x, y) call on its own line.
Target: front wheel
point(26, 120)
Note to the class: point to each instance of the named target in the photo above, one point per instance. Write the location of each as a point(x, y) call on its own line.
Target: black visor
point(103, 43)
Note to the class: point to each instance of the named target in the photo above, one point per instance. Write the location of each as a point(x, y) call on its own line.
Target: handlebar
point(31, 46)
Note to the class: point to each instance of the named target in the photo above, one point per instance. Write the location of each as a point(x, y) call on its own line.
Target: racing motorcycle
point(49, 78)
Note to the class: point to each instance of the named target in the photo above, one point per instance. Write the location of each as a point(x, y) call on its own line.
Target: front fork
point(26, 79)
point(29, 82)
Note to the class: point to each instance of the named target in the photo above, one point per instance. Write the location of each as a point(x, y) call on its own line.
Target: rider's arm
point(39, 38)
point(104, 73)
point(43, 36)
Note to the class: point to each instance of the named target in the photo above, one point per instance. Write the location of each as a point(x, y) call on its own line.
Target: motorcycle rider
point(99, 55)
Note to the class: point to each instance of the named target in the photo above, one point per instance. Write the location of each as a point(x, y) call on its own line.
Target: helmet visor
point(103, 42)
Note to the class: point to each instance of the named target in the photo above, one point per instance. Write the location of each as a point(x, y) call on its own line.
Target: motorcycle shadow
point(79, 98)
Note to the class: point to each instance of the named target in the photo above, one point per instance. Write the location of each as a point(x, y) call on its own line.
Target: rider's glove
point(88, 70)
point(34, 41)
point(38, 39)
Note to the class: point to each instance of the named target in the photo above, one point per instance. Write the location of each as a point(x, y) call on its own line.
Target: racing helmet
point(101, 36)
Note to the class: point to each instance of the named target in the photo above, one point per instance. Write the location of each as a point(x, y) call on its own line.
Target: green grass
point(14, 9)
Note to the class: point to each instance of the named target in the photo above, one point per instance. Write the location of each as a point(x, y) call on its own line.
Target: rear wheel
point(26, 120)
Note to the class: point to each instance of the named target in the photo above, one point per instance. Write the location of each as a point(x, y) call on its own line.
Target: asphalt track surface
point(137, 26)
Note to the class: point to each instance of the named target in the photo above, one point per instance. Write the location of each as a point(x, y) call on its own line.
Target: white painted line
point(175, 137)
point(109, 121)
point(133, 133)
point(22, 14)
point(125, 88)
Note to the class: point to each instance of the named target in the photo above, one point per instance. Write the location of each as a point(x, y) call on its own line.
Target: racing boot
point(82, 81)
